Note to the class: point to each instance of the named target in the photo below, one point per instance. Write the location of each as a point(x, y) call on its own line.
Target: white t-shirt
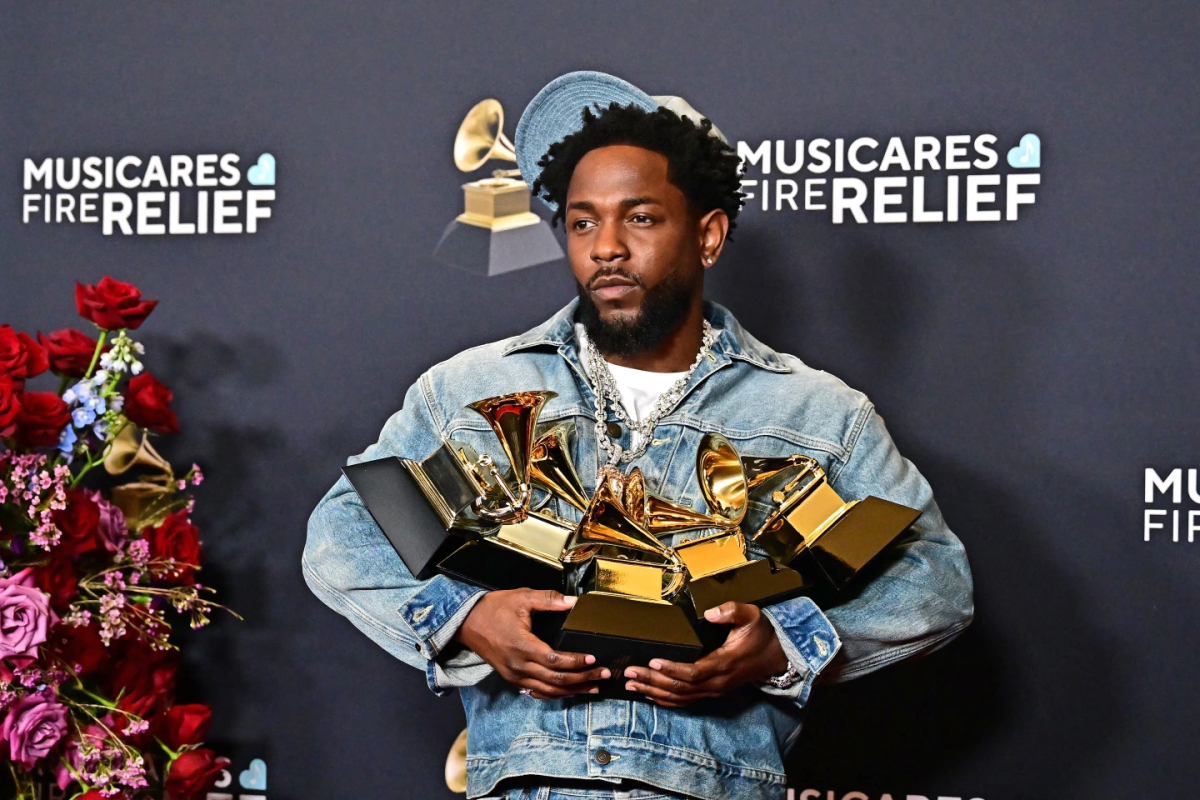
point(639, 388)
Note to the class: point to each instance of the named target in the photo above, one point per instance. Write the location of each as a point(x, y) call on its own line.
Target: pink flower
point(113, 530)
point(33, 726)
point(25, 616)
point(73, 755)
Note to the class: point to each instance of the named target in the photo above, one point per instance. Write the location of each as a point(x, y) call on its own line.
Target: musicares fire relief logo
point(1168, 487)
point(959, 180)
point(160, 195)
point(814, 794)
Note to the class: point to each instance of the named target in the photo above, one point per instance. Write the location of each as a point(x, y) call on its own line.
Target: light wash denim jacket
point(767, 404)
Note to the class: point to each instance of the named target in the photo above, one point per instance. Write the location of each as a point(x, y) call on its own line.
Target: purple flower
point(33, 726)
point(113, 530)
point(25, 616)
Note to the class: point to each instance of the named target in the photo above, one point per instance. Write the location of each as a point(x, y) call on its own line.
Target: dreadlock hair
point(703, 167)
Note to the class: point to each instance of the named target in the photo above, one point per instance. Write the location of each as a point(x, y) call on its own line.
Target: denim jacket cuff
point(808, 640)
point(435, 614)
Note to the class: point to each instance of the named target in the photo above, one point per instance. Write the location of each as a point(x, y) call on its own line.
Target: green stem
point(103, 455)
point(96, 354)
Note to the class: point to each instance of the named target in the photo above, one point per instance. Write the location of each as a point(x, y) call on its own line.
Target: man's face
point(634, 246)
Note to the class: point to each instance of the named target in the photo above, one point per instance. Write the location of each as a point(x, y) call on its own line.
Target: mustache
point(605, 272)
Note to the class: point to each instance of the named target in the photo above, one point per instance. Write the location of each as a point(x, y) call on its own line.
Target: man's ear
point(712, 228)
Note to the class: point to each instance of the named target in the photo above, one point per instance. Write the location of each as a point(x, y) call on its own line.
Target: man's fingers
point(544, 691)
point(539, 652)
point(547, 600)
point(733, 613)
point(698, 672)
point(666, 697)
point(677, 687)
point(659, 681)
point(573, 680)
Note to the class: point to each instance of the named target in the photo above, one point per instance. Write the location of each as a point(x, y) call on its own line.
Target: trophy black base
point(491, 566)
point(841, 552)
point(394, 501)
point(755, 582)
point(622, 632)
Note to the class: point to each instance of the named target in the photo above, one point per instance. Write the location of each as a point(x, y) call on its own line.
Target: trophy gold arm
point(761, 470)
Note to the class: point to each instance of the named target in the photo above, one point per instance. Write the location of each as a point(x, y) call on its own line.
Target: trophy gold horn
point(481, 138)
point(456, 764)
point(626, 553)
point(513, 418)
point(550, 466)
point(607, 523)
point(723, 479)
point(129, 451)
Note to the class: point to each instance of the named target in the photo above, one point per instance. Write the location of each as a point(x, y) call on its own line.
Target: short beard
point(663, 309)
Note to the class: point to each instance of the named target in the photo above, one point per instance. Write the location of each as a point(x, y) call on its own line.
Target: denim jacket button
point(614, 430)
point(603, 757)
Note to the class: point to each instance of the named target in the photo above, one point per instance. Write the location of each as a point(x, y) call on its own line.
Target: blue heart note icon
point(1026, 155)
point(255, 776)
point(263, 173)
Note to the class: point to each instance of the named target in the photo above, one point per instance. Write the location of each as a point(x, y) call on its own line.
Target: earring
point(708, 259)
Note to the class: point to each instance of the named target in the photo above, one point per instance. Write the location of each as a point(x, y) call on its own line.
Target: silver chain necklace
point(607, 394)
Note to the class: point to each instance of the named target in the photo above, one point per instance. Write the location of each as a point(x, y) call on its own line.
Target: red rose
point(41, 418)
point(69, 351)
point(182, 725)
point(20, 356)
point(147, 404)
point(9, 405)
point(193, 774)
point(57, 579)
point(79, 523)
point(179, 539)
point(144, 678)
point(113, 305)
point(80, 646)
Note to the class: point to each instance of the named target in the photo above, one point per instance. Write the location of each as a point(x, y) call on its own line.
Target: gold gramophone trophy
point(536, 538)
point(484, 530)
point(630, 587)
point(146, 500)
point(813, 530)
point(717, 565)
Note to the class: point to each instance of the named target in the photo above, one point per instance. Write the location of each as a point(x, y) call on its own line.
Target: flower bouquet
point(87, 668)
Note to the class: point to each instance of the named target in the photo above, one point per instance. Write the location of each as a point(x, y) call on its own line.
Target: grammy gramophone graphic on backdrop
point(497, 232)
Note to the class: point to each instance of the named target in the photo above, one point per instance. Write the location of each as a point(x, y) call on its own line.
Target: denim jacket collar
point(732, 343)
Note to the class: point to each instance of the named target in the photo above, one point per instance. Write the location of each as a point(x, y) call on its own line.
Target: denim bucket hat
point(555, 112)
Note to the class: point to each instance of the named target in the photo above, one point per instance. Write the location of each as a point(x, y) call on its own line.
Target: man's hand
point(499, 630)
point(752, 652)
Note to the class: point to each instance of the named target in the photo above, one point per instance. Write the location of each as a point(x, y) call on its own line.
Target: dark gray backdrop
point(1031, 370)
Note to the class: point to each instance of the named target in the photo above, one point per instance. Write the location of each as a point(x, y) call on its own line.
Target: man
point(644, 366)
